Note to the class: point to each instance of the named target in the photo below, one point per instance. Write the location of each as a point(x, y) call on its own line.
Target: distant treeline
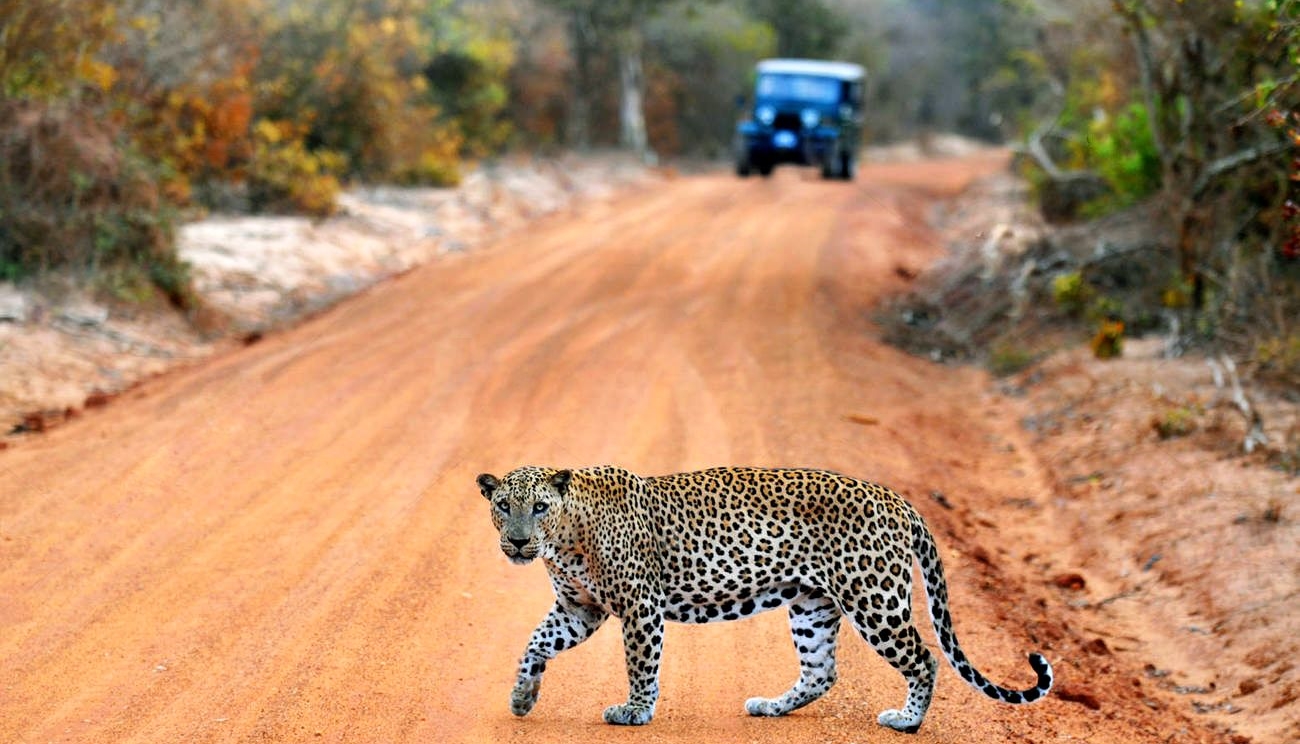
point(117, 114)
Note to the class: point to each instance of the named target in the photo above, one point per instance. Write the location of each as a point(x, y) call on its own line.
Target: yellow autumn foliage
point(125, 114)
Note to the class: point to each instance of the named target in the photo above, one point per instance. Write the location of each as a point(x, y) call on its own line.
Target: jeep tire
point(743, 168)
point(848, 166)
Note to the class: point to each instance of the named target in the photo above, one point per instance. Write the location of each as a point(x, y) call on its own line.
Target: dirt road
point(286, 544)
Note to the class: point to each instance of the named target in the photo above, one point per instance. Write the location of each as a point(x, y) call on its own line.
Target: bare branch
point(1250, 93)
point(1236, 160)
point(1225, 367)
point(1034, 148)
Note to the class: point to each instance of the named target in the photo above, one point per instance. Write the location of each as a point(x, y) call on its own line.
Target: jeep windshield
point(803, 88)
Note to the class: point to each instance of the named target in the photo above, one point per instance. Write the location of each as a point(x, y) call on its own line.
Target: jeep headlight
point(810, 118)
point(765, 114)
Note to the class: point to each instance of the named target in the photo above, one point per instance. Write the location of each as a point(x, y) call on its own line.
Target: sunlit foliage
point(117, 114)
point(1192, 107)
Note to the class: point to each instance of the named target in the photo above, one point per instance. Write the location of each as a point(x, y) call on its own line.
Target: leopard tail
point(936, 589)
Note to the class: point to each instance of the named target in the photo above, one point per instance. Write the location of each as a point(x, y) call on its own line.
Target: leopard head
point(526, 506)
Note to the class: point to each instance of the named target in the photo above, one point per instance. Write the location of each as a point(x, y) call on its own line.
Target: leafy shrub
point(353, 75)
point(1121, 148)
point(75, 194)
point(46, 51)
point(1278, 358)
point(1108, 342)
point(1071, 292)
point(1008, 359)
point(1175, 422)
point(283, 176)
point(703, 61)
point(1288, 458)
point(1177, 294)
point(117, 115)
point(437, 165)
point(1104, 308)
point(199, 134)
point(468, 84)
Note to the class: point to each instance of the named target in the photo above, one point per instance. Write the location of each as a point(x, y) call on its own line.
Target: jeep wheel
point(848, 166)
point(829, 170)
point(742, 165)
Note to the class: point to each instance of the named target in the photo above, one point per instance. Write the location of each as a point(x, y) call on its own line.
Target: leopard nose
point(518, 543)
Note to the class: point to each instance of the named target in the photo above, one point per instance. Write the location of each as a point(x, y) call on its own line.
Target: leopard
point(723, 544)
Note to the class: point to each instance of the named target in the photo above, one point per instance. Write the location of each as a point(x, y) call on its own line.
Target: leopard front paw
point(899, 721)
point(763, 707)
point(628, 714)
point(524, 696)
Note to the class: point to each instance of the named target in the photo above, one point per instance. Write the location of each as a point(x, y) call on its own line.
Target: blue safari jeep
point(807, 112)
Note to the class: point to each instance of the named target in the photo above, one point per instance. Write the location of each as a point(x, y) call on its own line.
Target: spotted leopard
point(724, 544)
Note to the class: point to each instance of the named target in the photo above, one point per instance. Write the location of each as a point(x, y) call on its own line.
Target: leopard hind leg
point(814, 626)
point(882, 615)
point(920, 668)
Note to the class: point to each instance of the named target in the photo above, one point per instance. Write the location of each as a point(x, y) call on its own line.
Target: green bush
point(1176, 422)
point(1071, 292)
point(1007, 359)
point(1104, 308)
point(1122, 150)
point(468, 84)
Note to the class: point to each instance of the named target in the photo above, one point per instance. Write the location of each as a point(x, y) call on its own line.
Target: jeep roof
point(820, 68)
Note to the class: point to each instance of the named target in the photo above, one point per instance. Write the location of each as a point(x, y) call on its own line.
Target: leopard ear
point(487, 483)
point(560, 481)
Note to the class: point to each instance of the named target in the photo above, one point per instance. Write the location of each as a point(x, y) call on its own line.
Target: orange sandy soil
point(1184, 551)
point(284, 543)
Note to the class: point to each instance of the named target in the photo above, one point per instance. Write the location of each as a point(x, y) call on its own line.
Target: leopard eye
point(503, 506)
point(540, 508)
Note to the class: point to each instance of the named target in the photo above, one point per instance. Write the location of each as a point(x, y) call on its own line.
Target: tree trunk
point(1180, 158)
point(632, 131)
point(1135, 18)
point(582, 37)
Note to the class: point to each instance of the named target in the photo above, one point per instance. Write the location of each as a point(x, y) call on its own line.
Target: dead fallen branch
point(1223, 369)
